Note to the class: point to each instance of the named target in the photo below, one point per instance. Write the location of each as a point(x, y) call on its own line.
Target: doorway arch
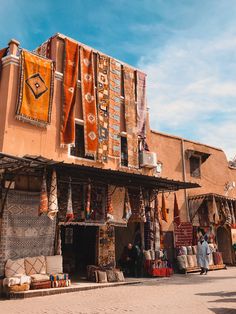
point(224, 242)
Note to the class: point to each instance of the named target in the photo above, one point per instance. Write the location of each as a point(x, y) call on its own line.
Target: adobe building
point(212, 206)
point(76, 176)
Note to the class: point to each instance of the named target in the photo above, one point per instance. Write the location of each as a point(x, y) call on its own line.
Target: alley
point(214, 293)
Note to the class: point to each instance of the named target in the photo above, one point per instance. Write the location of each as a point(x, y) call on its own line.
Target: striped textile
point(103, 106)
point(89, 102)
point(114, 109)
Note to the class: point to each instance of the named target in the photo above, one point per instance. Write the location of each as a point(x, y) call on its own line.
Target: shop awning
point(27, 163)
point(92, 174)
point(209, 196)
point(121, 178)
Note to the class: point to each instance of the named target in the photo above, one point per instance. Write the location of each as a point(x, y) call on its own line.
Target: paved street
point(214, 293)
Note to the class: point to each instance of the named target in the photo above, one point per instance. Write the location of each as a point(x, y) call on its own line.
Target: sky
point(186, 47)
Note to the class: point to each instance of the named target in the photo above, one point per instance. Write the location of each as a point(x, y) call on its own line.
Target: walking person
point(203, 254)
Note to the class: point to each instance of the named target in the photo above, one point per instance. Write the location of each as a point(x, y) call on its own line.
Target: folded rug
point(41, 285)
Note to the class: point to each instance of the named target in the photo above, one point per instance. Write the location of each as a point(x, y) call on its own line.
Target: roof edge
point(186, 140)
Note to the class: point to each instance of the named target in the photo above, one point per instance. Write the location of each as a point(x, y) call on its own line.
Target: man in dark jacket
point(130, 260)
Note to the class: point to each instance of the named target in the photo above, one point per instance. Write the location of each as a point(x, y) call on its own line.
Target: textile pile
point(38, 272)
point(187, 257)
point(104, 274)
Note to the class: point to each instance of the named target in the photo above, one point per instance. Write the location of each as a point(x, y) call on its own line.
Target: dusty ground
point(180, 294)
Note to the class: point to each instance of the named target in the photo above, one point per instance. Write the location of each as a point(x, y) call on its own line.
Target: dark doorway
point(78, 248)
point(224, 244)
point(125, 235)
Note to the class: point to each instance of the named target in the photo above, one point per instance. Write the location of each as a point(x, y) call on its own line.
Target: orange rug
point(36, 89)
point(89, 102)
point(131, 117)
point(71, 63)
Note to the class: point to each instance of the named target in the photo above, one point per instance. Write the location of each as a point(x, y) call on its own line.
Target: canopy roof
point(209, 196)
point(27, 163)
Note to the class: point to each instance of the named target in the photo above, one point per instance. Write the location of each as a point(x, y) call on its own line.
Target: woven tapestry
point(158, 232)
point(106, 246)
point(114, 108)
point(35, 90)
point(69, 211)
point(103, 106)
point(70, 77)
point(53, 202)
point(127, 212)
point(88, 102)
point(27, 234)
point(141, 104)
point(163, 208)
point(78, 200)
point(44, 49)
point(176, 211)
point(131, 117)
point(110, 210)
point(43, 205)
point(117, 195)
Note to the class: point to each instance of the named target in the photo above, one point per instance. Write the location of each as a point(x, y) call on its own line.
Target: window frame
point(196, 175)
point(123, 135)
point(81, 123)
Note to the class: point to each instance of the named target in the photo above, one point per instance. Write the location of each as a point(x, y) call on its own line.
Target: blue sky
point(187, 48)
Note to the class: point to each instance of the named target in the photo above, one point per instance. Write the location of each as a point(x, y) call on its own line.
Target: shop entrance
point(125, 235)
point(224, 244)
point(78, 248)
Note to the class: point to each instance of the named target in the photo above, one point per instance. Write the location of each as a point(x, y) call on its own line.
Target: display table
point(158, 268)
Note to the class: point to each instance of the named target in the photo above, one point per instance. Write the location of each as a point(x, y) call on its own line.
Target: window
point(79, 149)
point(124, 151)
point(195, 164)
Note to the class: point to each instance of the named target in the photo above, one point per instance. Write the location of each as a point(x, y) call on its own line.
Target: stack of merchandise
point(187, 257)
point(60, 280)
point(157, 264)
point(102, 275)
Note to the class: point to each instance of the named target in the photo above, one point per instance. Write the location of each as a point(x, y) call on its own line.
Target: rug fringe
point(33, 122)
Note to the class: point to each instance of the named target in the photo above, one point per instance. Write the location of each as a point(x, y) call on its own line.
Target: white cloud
point(192, 89)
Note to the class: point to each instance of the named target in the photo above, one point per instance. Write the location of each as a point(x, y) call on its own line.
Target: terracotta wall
point(18, 138)
point(215, 172)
